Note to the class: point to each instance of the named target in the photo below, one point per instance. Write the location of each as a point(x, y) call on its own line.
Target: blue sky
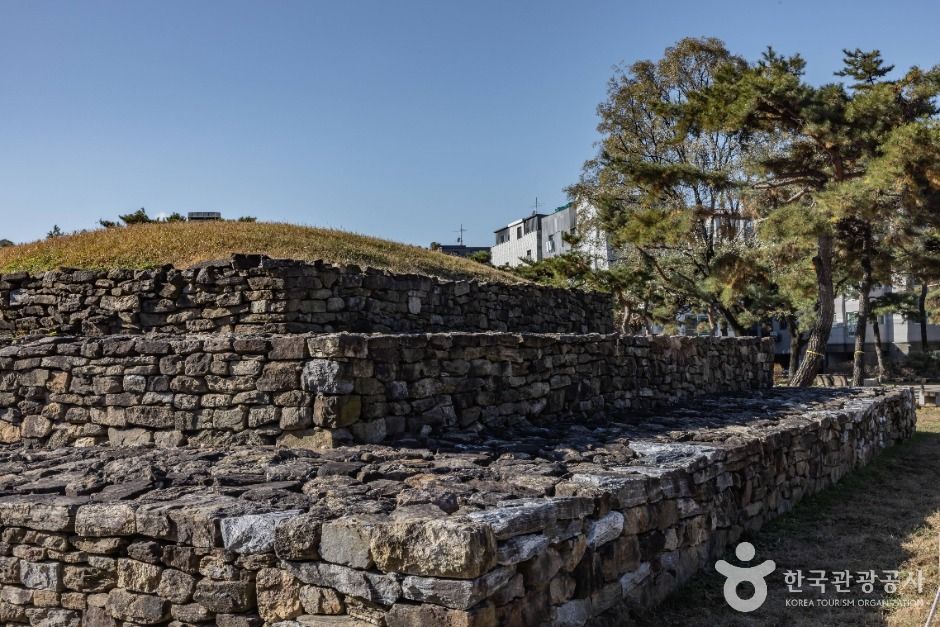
point(398, 119)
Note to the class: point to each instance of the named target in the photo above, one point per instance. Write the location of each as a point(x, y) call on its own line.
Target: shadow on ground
point(883, 517)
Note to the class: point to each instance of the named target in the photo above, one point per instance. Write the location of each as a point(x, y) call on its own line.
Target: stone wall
point(459, 478)
point(321, 390)
point(256, 294)
point(485, 536)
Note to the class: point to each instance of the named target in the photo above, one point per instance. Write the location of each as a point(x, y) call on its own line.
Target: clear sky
point(401, 119)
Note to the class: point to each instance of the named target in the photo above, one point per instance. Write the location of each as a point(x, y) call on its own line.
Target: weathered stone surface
point(574, 613)
point(507, 522)
point(405, 615)
point(154, 417)
point(279, 376)
point(325, 376)
point(278, 595)
point(139, 608)
point(456, 548)
point(89, 578)
point(43, 513)
point(317, 600)
point(54, 617)
point(382, 589)
point(252, 533)
point(337, 411)
point(521, 548)
point(41, 575)
point(298, 538)
point(225, 596)
point(105, 519)
point(605, 529)
point(138, 576)
point(176, 586)
point(191, 613)
point(456, 593)
point(346, 541)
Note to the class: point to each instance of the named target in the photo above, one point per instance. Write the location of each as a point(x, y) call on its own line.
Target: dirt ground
point(884, 517)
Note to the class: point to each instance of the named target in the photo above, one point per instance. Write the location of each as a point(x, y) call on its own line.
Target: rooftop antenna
point(461, 232)
point(535, 207)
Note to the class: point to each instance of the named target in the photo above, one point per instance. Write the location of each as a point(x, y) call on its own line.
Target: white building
point(899, 336)
point(543, 235)
point(520, 239)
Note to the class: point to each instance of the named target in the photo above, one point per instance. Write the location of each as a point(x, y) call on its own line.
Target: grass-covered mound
point(186, 243)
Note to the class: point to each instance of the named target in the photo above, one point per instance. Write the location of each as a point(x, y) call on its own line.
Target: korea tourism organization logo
point(736, 575)
point(828, 588)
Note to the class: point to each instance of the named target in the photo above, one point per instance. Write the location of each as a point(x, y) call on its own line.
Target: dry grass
point(183, 244)
point(885, 516)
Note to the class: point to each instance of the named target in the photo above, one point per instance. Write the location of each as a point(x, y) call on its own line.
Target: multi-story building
point(899, 335)
point(544, 235)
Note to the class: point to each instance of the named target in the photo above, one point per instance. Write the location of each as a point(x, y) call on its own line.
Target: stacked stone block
point(263, 442)
point(316, 390)
point(378, 535)
point(257, 294)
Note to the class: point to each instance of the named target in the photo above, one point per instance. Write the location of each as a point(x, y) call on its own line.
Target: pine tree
point(668, 193)
point(137, 217)
point(821, 141)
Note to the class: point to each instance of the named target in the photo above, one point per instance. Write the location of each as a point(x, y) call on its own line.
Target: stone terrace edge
point(322, 390)
point(622, 535)
point(252, 293)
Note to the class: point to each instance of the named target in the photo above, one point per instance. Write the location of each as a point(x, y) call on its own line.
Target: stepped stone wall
point(524, 529)
point(316, 390)
point(257, 294)
point(261, 442)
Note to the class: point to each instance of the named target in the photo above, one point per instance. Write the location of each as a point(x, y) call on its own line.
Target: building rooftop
point(521, 220)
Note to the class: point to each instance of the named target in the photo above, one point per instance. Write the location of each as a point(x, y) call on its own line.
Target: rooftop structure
point(195, 216)
point(458, 250)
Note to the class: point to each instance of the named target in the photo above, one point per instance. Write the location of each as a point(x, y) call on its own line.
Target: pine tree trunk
point(819, 337)
point(922, 312)
point(879, 350)
point(731, 321)
point(861, 325)
point(794, 332)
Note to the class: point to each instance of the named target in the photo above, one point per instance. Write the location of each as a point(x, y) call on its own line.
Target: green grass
point(186, 243)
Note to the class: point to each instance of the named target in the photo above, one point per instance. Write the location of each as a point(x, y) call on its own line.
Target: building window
point(528, 254)
point(550, 243)
point(851, 320)
point(518, 232)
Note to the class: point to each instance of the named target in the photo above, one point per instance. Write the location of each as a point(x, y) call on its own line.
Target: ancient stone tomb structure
point(260, 442)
